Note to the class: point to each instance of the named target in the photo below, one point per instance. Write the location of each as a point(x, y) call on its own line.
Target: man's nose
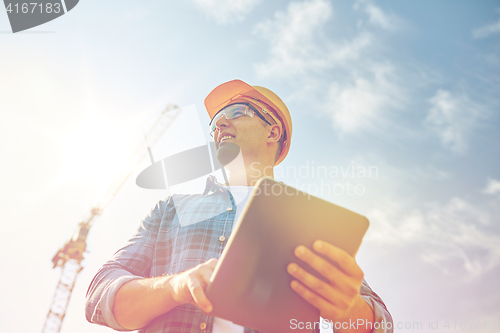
point(221, 122)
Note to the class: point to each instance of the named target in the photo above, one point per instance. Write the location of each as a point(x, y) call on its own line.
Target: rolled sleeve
point(382, 318)
point(131, 262)
point(108, 300)
point(99, 307)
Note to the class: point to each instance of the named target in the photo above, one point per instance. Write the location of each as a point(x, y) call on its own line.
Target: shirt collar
point(213, 186)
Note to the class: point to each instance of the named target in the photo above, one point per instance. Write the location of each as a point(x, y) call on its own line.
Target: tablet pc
point(250, 285)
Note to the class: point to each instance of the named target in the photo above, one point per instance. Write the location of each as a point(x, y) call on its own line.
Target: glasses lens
point(230, 112)
point(235, 111)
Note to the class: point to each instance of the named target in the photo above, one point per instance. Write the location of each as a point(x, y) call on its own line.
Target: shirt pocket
point(188, 215)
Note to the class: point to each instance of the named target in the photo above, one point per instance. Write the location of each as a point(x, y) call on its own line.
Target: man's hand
point(189, 286)
point(139, 301)
point(338, 299)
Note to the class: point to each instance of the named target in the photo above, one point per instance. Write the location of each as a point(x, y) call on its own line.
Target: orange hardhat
point(226, 93)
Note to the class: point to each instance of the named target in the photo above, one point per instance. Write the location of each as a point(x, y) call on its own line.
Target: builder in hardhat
point(158, 280)
point(257, 120)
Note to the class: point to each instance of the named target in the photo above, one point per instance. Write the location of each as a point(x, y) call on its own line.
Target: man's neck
point(240, 173)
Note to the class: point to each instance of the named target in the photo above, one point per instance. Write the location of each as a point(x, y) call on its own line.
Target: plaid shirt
point(179, 233)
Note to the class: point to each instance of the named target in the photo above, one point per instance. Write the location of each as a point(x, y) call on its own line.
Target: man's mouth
point(226, 137)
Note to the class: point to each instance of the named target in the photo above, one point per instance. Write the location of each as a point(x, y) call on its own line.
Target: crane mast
point(70, 256)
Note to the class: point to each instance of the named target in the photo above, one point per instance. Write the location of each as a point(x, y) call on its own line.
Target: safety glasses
point(235, 111)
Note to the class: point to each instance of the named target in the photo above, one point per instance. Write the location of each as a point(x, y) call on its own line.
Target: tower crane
point(70, 256)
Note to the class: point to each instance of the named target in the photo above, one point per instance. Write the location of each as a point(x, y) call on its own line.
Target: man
point(157, 281)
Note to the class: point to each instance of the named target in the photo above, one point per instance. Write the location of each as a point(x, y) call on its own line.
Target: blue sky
point(410, 88)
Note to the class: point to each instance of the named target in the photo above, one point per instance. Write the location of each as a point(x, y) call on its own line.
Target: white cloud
point(298, 46)
point(492, 187)
point(455, 232)
point(364, 103)
point(294, 50)
point(350, 50)
point(376, 16)
point(453, 117)
point(363, 91)
point(227, 11)
point(487, 30)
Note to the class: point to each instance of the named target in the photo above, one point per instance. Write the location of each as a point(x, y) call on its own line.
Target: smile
point(226, 137)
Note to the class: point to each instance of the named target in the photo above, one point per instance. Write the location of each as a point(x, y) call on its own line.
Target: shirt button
point(203, 326)
point(230, 209)
point(222, 238)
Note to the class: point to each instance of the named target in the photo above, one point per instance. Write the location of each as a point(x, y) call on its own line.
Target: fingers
point(336, 296)
point(200, 276)
point(345, 263)
point(339, 256)
point(205, 271)
point(319, 286)
point(189, 286)
point(326, 308)
point(211, 263)
point(198, 294)
point(312, 298)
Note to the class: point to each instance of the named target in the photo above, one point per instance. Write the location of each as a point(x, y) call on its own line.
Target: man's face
point(249, 133)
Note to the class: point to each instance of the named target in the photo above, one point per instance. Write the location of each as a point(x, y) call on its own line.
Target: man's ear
point(274, 133)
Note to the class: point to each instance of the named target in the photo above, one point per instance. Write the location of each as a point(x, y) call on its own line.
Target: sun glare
point(98, 149)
